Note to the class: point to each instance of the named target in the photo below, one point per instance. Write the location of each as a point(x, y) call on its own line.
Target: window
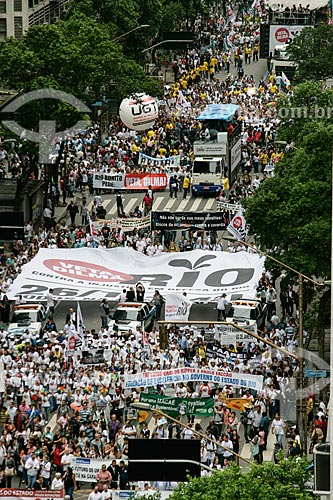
point(18, 26)
point(18, 5)
point(31, 4)
point(3, 29)
point(2, 7)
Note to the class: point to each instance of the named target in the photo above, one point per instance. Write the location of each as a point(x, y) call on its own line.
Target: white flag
point(177, 307)
point(237, 226)
point(285, 79)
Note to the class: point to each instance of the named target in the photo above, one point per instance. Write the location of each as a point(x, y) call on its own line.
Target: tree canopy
point(312, 48)
point(291, 212)
point(268, 481)
point(80, 55)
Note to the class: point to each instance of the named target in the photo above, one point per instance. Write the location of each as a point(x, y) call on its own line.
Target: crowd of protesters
point(88, 404)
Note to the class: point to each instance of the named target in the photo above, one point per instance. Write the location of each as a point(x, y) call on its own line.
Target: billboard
point(283, 34)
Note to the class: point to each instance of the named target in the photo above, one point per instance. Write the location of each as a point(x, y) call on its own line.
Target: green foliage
point(266, 482)
point(313, 50)
point(80, 54)
point(291, 212)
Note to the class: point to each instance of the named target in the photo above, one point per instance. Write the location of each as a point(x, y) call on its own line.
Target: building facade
point(16, 16)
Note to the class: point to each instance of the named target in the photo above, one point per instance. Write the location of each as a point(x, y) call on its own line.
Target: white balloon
point(138, 112)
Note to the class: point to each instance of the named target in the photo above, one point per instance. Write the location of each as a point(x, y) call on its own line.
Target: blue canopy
point(219, 112)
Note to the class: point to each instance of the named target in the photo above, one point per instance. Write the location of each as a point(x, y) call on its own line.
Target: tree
point(80, 54)
point(312, 49)
point(268, 481)
point(291, 212)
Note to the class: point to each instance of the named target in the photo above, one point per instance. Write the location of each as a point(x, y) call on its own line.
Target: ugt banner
point(201, 407)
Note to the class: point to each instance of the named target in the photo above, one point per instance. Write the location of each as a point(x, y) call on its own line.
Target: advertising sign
point(282, 34)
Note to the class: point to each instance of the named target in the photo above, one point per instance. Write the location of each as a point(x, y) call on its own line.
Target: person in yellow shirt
point(273, 89)
point(186, 186)
point(226, 185)
point(248, 54)
point(255, 52)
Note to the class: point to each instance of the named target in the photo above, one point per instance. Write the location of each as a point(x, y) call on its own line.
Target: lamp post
point(130, 31)
point(147, 407)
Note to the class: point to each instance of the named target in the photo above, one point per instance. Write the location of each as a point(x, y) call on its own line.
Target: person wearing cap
point(221, 307)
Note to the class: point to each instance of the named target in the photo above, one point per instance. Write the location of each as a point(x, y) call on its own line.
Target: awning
point(313, 4)
point(219, 112)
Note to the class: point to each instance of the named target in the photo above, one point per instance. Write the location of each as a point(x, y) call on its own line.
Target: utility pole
point(301, 416)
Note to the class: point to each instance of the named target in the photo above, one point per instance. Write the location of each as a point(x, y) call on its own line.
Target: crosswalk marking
point(170, 204)
point(181, 206)
point(162, 202)
point(157, 202)
point(209, 204)
point(195, 205)
point(130, 205)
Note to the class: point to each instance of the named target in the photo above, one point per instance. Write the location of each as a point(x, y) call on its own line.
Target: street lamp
point(131, 31)
point(147, 407)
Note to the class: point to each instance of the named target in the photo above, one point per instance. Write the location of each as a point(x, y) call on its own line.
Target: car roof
point(27, 307)
point(244, 302)
point(131, 305)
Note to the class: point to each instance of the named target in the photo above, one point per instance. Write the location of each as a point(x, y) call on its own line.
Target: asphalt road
point(91, 317)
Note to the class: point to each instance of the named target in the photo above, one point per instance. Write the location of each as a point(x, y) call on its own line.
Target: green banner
point(201, 407)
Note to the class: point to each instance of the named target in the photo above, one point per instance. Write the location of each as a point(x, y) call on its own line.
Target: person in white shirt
point(57, 483)
point(32, 466)
point(221, 305)
point(50, 301)
point(95, 494)
point(66, 459)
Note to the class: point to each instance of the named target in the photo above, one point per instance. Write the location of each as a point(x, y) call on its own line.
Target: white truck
point(30, 317)
point(281, 62)
point(218, 152)
point(129, 315)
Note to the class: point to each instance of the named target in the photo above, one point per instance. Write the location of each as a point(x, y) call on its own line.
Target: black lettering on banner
point(155, 280)
point(33, 289)
point(242, 276)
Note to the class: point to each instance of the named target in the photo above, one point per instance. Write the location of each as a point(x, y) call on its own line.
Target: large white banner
point(153, 378)
point(17, 494)
point(177, 307)
point(94, 274)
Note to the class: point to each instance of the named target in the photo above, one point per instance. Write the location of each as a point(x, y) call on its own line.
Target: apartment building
point(16, 16)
